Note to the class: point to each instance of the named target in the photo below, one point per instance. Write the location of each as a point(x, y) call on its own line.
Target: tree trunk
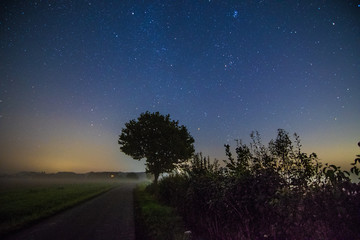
point(156, 177)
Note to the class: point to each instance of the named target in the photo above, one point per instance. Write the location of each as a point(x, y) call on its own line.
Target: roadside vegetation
point(25, 201)
point(272, 191)
point(153, 220)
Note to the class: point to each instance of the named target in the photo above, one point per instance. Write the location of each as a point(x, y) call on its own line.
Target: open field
point(25, 201)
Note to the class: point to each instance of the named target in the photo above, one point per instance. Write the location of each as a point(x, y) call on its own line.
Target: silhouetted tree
point(281, 147)
point(160, 140)
point(355, 170)
point(280, 156)
point(242, 162)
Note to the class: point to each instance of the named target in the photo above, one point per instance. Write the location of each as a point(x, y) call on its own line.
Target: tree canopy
point(161, 141)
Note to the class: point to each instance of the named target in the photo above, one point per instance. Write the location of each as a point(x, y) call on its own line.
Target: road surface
point(108, 216)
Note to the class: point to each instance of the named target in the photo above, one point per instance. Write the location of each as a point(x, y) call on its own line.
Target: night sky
point(72, 73)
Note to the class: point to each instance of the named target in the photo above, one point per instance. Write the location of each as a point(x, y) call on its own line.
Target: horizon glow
point(73, 73)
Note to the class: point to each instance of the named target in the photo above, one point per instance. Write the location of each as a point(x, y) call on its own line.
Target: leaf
point(334, 167)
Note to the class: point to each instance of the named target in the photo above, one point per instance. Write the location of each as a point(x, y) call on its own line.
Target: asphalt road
point(108, 216)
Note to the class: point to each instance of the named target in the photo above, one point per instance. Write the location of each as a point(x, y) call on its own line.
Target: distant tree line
point(72, 175)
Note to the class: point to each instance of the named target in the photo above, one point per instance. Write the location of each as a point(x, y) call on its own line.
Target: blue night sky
point(74, 72)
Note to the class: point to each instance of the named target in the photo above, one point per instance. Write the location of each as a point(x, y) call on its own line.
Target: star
point(235, 14)
point(225, 67)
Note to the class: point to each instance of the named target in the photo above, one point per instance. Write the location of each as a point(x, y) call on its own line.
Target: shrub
point(272, 192)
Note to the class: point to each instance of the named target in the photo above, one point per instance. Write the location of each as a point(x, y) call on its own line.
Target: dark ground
point(108, 216)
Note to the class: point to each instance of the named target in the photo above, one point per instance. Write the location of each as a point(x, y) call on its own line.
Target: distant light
point(112, 175)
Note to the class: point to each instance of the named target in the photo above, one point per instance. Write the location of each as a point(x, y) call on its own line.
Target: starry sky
point(72, 73)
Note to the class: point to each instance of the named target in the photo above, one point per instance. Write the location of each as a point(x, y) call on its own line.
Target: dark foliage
point(266, 192)
point(159, 139)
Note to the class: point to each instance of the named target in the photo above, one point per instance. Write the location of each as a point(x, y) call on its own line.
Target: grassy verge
point(153, 220)
point(25, 204)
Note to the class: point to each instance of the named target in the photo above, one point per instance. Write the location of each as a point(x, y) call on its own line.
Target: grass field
point(25, 201)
